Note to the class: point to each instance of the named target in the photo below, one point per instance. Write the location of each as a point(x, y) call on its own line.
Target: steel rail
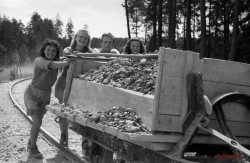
point(46, 135)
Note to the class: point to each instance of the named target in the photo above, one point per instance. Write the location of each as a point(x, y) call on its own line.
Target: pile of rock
point(125, 119)
point(133, 74)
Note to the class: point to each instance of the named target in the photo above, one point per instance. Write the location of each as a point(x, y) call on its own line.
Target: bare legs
point(36, 124)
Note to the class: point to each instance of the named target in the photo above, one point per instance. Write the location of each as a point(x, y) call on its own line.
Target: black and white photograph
point(124, 81)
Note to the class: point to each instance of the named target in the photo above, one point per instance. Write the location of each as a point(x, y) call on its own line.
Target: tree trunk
point(235, 31)
point(160, 23)
point(173, 24)
point(194, 28)
point(184, 33)
point(136, 22)
point(209, 30)
point(169, 22)
point(188, 26)
point(155, 25)
point(127, 15)
point(226, 30)
point(203, 29)
point(216, 29)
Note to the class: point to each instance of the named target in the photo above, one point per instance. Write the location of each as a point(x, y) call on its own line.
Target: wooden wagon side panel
point(97, 97)
point(220, 77)
point(171, 88)
point(228, 72)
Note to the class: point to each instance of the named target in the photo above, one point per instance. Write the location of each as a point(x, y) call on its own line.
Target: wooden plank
point(70, 117)
point(235, 112)
point(214, 89)
point(179, 62)
point(117, 55)
point(70, 75)
point(97, 97)
point(78, 67)
point(226, 72)
point(155, 146)
point(169, 123)
point(174, 62)
point(125, 149)
point(158, 89)
point(151, 137)
point(111, 130)
point(82, 121)
point(136, 137)
point(172, 83)
point(123, 135)
point(167, 138)
point(91, 58)
point(183, 107)
point(203, 138)
point(170, 100)
point(96, 126)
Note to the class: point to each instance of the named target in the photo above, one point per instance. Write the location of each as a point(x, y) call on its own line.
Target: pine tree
point(69, 29)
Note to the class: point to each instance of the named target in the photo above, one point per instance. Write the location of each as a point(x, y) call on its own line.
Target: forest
point(214, 28)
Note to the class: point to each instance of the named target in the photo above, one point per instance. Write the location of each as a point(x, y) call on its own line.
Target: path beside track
point(14, 131)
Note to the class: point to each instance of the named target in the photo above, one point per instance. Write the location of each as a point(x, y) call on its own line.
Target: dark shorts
point(36, 100)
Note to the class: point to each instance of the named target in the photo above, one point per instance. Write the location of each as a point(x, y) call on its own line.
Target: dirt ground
point(20, 72)
point(14, 131)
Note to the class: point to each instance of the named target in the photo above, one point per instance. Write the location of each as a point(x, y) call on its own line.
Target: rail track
point(16, 93)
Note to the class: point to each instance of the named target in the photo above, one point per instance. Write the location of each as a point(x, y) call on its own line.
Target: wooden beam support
point(126, 150)
point(196, 113)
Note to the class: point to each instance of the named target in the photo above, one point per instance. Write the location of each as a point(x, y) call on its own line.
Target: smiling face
point(135, 47)
point(50, 52)
point(107, 44)
point(82, 39)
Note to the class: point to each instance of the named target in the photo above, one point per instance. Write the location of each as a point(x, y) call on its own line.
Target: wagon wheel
point(221, 118)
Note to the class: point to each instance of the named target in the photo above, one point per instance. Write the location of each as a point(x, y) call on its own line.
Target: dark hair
point(127, 50)
point(108, 35)
point(50, 42)
point(73, 42)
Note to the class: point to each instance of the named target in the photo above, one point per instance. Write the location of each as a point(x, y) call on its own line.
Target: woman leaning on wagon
point(79, 43)
point(37, 94)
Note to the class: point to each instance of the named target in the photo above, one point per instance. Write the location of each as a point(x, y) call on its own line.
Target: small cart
point(200, 111)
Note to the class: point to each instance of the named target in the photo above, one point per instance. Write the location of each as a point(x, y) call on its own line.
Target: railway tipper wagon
point(199, 112)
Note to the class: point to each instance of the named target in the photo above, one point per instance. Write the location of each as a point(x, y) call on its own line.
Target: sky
point(101, 16)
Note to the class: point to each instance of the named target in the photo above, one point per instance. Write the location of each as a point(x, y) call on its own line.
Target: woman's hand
point(62, 58)
point(66, 51)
